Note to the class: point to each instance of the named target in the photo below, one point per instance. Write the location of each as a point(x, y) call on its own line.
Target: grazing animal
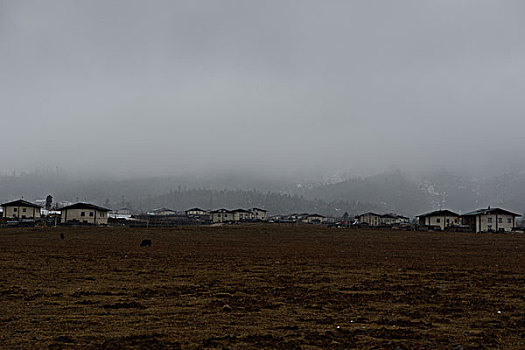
point(61, 236)
point(146, 243)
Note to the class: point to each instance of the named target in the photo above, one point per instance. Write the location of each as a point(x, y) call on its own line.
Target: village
point(21, 212)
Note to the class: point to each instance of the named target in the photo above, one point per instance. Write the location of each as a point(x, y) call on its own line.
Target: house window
point(438, 220)
point(15, 209)
point(509, 221)
point(489, 220)
point(102, 215)
point(500, 220)
point(448, 221)
point(489, 227)
point(82, 213)
point(91, 213)
point(24, 210)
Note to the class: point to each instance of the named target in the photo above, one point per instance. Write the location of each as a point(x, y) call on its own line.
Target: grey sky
point(157, 87)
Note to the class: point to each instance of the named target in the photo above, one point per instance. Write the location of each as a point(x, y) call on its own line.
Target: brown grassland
point(278, 287)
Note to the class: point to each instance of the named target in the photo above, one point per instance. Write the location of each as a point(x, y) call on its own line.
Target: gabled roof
point(369, 213)
point(315, 216)
point(241, 211)
point(81, 205)
point(259, 209)
point(195, 209)
point(221, 211)
point(444, 212)
point(298, 215)
point(163, 209)
point(389, 216)
point(490, 211)
point(21, 203)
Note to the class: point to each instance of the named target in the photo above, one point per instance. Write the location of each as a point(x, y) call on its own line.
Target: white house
point(259, 214)
point(315, 219)
point(222, 215)
point(388, 219)
point(196, 212)
point(122, 211)
point(84, 213)
point(372, 219)
point(442, 218)
point(241, 215)
point(120, 214)
point(21, 209)
point(162, 212)
point(490, 220)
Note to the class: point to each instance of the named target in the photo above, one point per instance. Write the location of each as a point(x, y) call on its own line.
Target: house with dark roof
point(21, 209)
point(389, 219)
point(315, 219)
point(371, 219)
point(196, 212)
point(84, 213)
point(259, 214)
point(162, 212)
point(490, 220)
point(221, 215)
point(241, 215)
point(442, 218)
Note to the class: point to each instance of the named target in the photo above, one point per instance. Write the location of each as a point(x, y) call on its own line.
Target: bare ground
point(243, 287)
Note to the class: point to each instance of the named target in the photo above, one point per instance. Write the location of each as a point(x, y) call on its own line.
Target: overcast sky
point(161, 87)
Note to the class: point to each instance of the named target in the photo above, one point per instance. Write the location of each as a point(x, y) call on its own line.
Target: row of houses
point(87, 213)
point(215, 216)
point(481, 220)
point(302, 218)
point(373, 219)
point(84, 213)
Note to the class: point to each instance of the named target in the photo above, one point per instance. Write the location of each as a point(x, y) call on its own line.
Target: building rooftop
point(21, 203)
point(490, 211)
point(82, 205)
point(444, 212)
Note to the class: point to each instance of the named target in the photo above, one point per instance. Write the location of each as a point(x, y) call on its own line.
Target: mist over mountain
point(390, 191)
point(292, 105)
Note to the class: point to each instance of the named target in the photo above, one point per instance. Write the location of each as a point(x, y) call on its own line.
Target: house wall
point(91, 216)
point(164, 213)
point(239, 215)
point(442, 221)
point(402, 221)
point(259, 214)
point(196, 212)
point(21, 212)
point(370, 219)
point(388, 221)
point(222, 217)
point(315, 220)
point(493, 222)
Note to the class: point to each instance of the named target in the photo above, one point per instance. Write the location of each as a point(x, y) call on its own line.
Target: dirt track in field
point(243, 287)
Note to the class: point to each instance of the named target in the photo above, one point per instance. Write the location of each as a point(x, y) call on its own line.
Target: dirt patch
point(241, 287)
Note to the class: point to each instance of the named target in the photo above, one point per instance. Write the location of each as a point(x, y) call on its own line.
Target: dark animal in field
point(146, 243)
point(62, 236)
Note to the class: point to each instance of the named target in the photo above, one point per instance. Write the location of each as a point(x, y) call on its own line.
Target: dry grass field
point(237, 287)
